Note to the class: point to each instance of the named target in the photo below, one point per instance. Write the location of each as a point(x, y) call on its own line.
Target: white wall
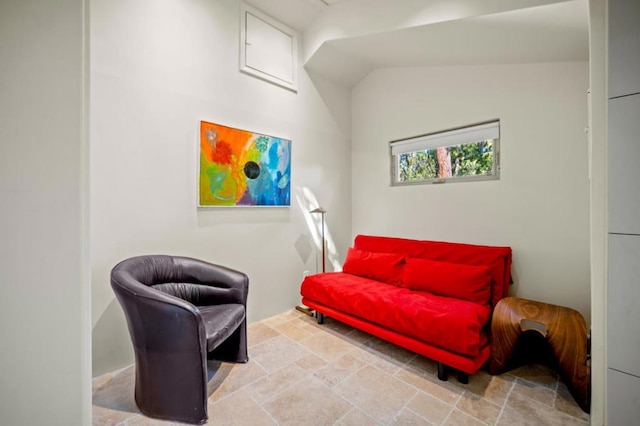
point(540, 205)
point(597, 135)
point(44, 274)
point(157, 68)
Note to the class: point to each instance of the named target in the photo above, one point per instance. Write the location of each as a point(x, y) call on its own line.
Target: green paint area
point(217, 187)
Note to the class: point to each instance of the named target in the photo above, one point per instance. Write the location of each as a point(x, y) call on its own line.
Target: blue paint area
point(272, 186)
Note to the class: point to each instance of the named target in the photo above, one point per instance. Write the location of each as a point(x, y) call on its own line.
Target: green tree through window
point(459, 154)
point(469, 159)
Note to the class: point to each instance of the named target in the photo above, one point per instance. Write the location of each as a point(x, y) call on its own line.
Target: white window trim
point(458, 136)
point(246, 9)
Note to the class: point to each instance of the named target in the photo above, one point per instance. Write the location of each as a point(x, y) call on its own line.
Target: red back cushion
point(385, 267)
point(497, 258)
point(467, 282)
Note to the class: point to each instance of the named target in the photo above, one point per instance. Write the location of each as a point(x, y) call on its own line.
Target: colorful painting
point(241, 168)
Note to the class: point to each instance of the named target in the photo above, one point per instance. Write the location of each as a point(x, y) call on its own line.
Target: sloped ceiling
point(553, 32)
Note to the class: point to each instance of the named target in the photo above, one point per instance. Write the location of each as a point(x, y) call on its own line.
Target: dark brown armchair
point(180, 311)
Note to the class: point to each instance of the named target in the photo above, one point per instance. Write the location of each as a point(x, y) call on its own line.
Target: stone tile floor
point(301, 373)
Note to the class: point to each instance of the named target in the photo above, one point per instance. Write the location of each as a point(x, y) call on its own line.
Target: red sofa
point(433, 298)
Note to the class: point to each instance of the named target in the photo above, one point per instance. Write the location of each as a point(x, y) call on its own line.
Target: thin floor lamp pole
point(323, 245)
point(322, 211)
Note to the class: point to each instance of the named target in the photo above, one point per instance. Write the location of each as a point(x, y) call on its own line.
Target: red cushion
point(385, 267)
point(467, 282)
point(451, 324)
point(498, 258)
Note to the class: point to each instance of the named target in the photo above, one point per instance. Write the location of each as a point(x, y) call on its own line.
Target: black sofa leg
point(443, 372)
point(463, 377)
point(320, 317)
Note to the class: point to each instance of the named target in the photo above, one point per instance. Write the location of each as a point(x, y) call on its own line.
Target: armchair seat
point(220, 321)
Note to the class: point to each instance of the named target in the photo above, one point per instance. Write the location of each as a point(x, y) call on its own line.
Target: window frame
point(435, 135)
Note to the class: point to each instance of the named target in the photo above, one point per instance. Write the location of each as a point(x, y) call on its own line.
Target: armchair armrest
point(166, 316)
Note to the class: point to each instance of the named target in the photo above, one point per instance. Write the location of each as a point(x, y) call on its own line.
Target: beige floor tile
point(113, 402)
point(339, 375)
point(479, 408)
point(430, 408)
point(258, 332)
point(524, 411)
point(388, 351)
point(291, 330)
point(308, 326)
point(498, 388)
point(422, 373)
point(355, 417)
point(566, 404)
point(231, 377)
point(277, 353)
point(268, 386)
point(540, 393)
point(478, 383)
point(376, 393)
point(294, 407)
point(458, 418)
point(357, 337)
point(311, 362)
point(372, 359)
point(430, 385)
point(326, 346)
point(98, 382)
point(537, 373)
point(238, 410)
point(274, 320)
point(409, 418)
point(338, 370)
point(491, 388)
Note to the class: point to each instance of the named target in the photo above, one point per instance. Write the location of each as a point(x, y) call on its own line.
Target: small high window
point(456, 155)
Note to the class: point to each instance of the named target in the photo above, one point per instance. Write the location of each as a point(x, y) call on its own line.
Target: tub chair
point(180, 312)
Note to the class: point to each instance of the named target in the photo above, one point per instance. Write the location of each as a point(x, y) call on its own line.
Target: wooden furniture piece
point(563, 328)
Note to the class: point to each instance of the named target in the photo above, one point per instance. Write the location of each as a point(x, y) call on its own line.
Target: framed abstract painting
point(242, 168)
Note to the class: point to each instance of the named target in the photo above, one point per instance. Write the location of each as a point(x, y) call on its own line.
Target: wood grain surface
point(563, 328)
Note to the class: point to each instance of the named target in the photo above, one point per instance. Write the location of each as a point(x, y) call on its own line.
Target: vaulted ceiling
point(344, 40)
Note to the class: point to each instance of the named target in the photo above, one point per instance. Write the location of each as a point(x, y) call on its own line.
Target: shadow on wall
point(111, 346)
point(307, 202)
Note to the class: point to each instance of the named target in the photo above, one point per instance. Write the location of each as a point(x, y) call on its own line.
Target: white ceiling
point(556, 32)
point(553, 33)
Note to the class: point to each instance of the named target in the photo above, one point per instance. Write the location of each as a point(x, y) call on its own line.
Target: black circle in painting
point(252, 170)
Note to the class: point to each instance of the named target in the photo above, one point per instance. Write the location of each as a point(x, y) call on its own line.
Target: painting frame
point(242, 168)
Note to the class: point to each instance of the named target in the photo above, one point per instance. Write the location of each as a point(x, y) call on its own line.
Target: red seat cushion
point(467, 282)
point(385, 267)
point(452, 324)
